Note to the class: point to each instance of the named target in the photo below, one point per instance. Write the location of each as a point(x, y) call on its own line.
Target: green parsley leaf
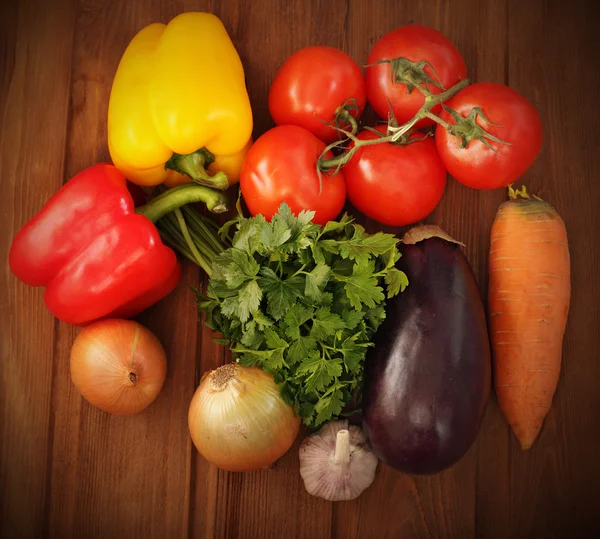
point(352, 318)
point(331, 246)
point(361, 286)
point(325, 324)
point(303, 301)
point(333, 226)
point(252, 337)
point(307, 409)
point(375, 316)
point(353, 353)
point(299, 349)
point(261, 320)
point(250, 358)
point(274, 340)
point(319, 370)
point(249, 300)
point(229, 307)
point(360, 247)
point(396, 281)
point(276, 235)
point(281, 294)
point(294, 318)
point(288, 393)
point(329, 405)
point(316, 281)
point(248, 230)
point(317, 253)
point(276, 346)
point(275, 361)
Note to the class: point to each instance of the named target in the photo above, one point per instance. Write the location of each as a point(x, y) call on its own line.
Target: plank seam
point(56, 328)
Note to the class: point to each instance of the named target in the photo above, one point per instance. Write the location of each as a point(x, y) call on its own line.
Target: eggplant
point(428, 375)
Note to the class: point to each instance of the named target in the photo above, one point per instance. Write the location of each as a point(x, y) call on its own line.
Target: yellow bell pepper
point(179, 105)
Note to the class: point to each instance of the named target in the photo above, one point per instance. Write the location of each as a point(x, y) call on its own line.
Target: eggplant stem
point(424, 232)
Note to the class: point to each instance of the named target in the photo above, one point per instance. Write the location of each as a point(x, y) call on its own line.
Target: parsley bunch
point(302, 301)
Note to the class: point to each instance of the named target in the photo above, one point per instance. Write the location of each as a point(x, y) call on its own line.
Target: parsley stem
point(174, 229)
point(188, 239)
point(180, 247)
point(300, 270)
point(191, 234)
point(199, 225)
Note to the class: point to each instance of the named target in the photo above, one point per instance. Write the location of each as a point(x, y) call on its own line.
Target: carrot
point(528, 304)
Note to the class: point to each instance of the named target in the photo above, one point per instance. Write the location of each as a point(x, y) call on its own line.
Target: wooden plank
point(421, 507)
point(207, 485)
point(555, 485)
point(269, 503)
point(492, 504)
point(69, 470)
point(120, 476)
point(35, 71)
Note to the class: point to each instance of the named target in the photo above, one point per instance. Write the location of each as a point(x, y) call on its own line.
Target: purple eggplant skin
point(428, 375)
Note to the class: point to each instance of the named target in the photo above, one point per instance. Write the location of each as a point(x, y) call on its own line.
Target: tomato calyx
point(407, 139)
point(395, 133)
point(467, 129)
point(411, 74)
point(344, 118)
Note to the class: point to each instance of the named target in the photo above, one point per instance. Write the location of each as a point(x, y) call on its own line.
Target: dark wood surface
point(68, 470)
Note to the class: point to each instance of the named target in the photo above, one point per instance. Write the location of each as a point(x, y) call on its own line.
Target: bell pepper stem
point(194, 166)
point(188, 193)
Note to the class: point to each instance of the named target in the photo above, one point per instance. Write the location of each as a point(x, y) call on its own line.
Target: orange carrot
point(528, 302)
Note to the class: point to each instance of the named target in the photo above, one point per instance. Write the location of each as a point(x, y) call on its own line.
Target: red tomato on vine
point(395, 184)
point(427, 57)
point(316, 86)
point(281, 166)
point(486, 113)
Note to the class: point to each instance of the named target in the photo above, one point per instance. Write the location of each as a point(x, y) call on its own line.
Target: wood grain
point(36, 59)
point(149, 465)
point(68, 470)
point(558, 483)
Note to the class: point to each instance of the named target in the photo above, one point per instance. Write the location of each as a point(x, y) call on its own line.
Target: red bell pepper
point(96, 254)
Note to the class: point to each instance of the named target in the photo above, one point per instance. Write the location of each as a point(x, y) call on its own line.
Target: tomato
point(416, 43)
point(281, 166)
point(477, 165)
point(312, 85)
point(395, 185)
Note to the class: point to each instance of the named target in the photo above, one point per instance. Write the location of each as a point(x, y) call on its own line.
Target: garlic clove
point(336, 462)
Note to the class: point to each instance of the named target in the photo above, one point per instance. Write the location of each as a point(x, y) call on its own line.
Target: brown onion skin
point(248, 426)
point(113, 372)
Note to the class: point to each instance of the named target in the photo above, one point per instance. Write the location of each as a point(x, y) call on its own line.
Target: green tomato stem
point(438, 120)
point(344, 116)
point(431, 101)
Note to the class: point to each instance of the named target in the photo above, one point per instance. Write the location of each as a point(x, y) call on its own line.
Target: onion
point(118, 366)
point(238, 420)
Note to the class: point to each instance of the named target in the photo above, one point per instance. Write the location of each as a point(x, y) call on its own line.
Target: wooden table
point(68, 470)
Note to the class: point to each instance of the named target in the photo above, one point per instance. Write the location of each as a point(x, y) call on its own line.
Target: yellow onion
point(118, 366)
point(238, 420)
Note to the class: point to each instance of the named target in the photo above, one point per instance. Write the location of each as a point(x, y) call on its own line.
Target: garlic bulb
point(336, 463)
